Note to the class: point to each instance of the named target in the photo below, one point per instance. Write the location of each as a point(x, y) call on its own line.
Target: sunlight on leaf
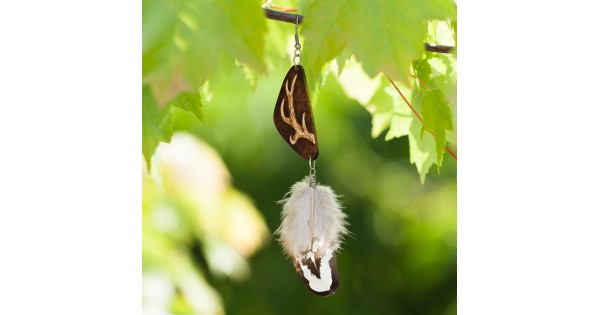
point(384, 37)
point(357, 84)
point(422, 150)
point(186, 41)
point(437, 118)
point(189, 102)
point(156, 124)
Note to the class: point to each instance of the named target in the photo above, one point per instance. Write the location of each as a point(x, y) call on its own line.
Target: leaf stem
point(451, 153)
point(425, 85)
point(405, 100)
point(413, 109)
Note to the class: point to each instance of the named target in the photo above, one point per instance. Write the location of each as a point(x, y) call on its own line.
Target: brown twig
point(413, 109)
point(439, 48)
point(284, 16)
point(425, 85)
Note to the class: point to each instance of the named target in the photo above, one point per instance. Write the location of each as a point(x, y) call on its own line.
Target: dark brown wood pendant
point(293, 115)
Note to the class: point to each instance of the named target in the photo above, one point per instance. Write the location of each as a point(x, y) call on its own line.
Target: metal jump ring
point(312, 173)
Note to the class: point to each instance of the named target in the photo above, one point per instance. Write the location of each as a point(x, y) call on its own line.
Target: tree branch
point(291, 18)
point(283, 16)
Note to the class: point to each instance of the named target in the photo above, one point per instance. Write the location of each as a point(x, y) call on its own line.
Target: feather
point(311, 232)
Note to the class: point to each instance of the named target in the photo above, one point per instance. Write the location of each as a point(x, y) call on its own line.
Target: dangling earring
point(313, 223)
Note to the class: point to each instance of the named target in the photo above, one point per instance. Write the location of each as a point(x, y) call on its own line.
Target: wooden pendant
point(293, 115)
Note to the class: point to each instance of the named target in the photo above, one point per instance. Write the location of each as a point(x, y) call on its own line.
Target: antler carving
point(301, 131)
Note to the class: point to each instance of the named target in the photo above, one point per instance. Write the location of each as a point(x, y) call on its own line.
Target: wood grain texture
point(293, 115)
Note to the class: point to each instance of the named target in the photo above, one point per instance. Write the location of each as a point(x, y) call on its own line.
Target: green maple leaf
point(158, 27)
point(239, 28)
point(187, 42)
point(381, 108)
point(402, 117)
point(326, 29)
point(189, 102)
point(341, 60)
point(156, 124)
point(422, 150)
point(437, 118)
point(382, 45)
point(435, 69)
point(389, 110)
point(385, 36)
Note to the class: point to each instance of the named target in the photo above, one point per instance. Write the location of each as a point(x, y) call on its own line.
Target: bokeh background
point(210, 204)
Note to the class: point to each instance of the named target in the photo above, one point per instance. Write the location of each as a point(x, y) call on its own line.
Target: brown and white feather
point(313, 225)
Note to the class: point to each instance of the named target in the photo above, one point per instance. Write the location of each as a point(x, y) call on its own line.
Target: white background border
point(70, 158)
point(528, 192)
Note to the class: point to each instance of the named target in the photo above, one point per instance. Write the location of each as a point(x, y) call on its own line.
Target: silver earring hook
point(297, 47)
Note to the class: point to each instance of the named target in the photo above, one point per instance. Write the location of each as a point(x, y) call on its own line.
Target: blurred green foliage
point(209, 201)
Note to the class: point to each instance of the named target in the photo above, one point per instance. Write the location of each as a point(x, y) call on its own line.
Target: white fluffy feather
point(311, 214)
